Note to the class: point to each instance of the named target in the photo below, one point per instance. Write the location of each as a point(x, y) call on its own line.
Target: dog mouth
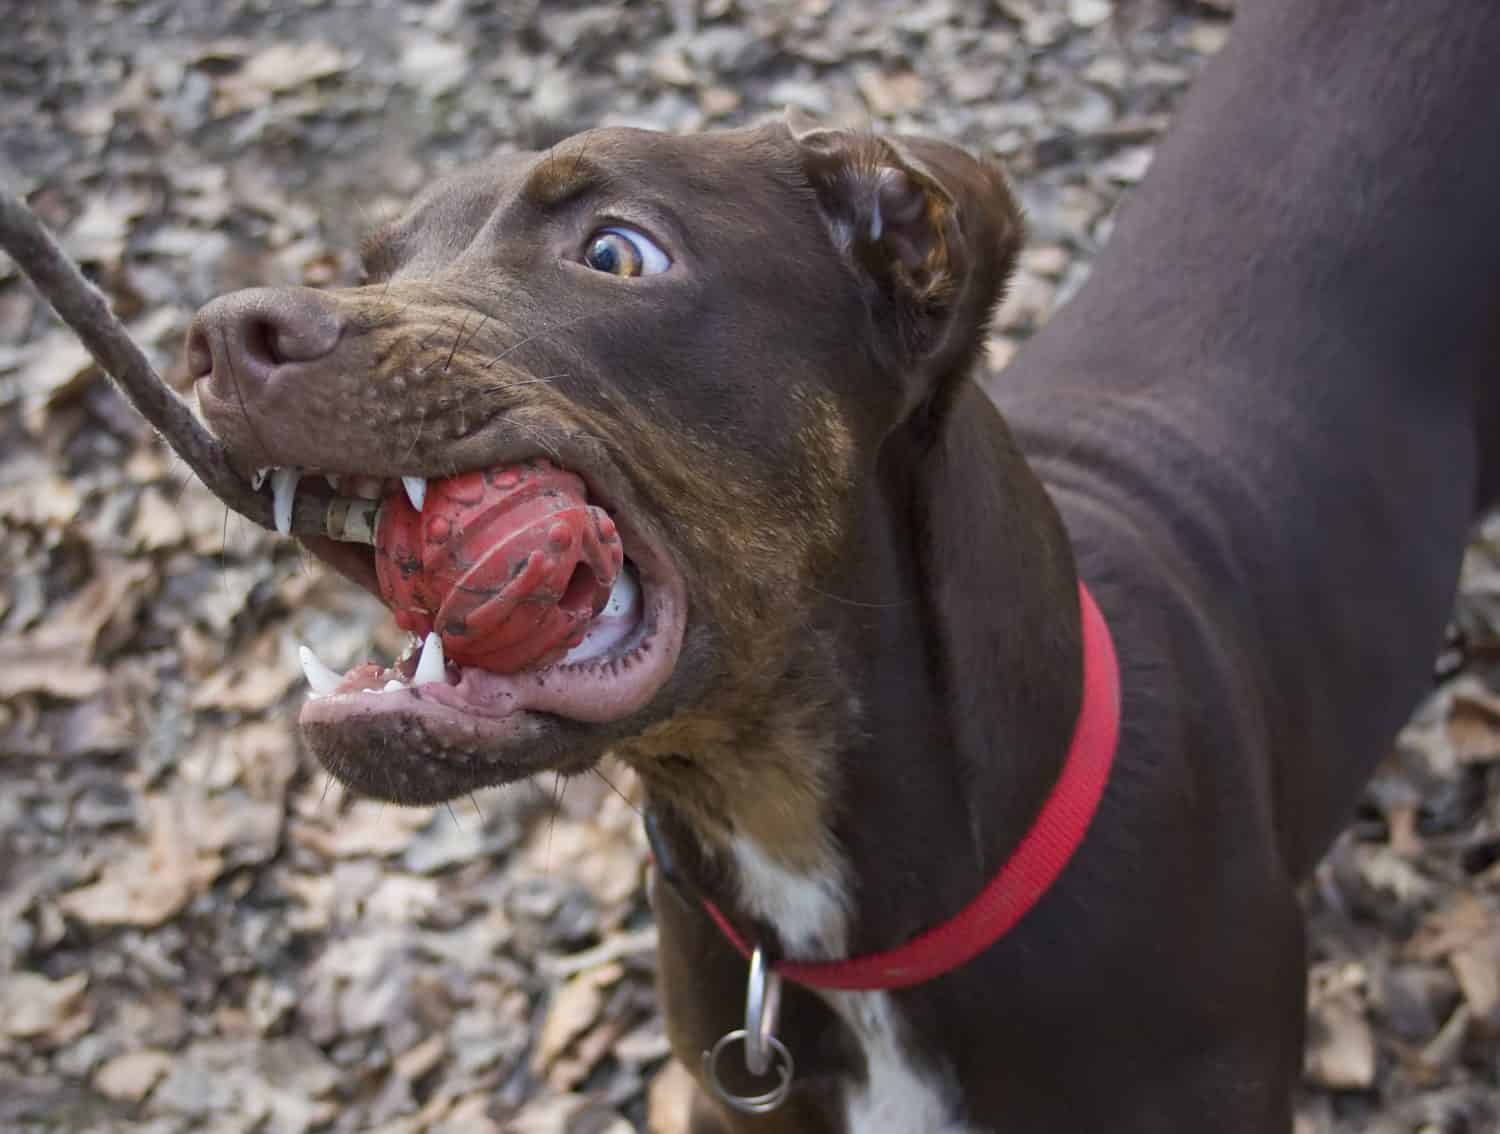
point(433, 725)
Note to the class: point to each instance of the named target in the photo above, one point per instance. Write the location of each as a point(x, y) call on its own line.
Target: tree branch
point(80, 305)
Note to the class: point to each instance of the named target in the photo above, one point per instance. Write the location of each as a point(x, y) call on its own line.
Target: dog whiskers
point(508, 351)
point(239, 395)
point(538, 439)
point(387, 313)
point(522, 383)
point(474, 334)
point(562, 786)
point(831, 597)
point(610, 784)
point(458, 338)
point(416, 438)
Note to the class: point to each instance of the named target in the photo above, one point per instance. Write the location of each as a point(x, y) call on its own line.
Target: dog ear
point(931, 232)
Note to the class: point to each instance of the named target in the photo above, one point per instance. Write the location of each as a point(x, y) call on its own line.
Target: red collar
point(1039, 858)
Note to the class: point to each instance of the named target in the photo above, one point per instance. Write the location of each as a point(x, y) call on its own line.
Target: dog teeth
point(431, 666)
point(320, 678)
point(612, 625)
point(284, 497)
point(259, 478)
point(416, 490)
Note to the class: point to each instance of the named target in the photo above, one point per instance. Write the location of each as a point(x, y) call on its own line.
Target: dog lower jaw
point(406, 762)
point(425, 743)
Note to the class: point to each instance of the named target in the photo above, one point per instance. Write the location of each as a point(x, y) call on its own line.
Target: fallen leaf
point(890, 94)
point(471, 1115)
point(131, 1076)
point(98, 235)
point(1090, 13)
point(1456, 925)
point(575, 1008)
point(1340, 1046)
point(57, 657)
point(605, 859)
point(59, 369)
point(367, 827)
point(32, 1006)
point(562, 1114)
point(574, 1066)
point(52, 504)
point(717, 102)
point(276, 70)
point(104, 723)
point(433, 65)
point(256, 679)
point(149, 884)
point(415, 1062)
point(1444, 1050)
point(57, 670)
point(233, 829)
point(1477, 967)
point(1474, 723)
point(157, 524)
point(671, 66)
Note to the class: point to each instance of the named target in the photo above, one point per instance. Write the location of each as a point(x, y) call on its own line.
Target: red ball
point(508, 564)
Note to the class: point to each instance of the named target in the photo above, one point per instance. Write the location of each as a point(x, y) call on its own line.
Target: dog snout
point(241, 341)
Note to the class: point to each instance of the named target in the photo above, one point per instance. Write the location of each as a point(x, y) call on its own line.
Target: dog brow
point(559, 178)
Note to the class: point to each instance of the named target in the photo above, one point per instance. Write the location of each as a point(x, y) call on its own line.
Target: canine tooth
point(259, 478)
point(431, 665)
point(320, 678)
point(416, 490)
point(391, 686)
point(284, 496)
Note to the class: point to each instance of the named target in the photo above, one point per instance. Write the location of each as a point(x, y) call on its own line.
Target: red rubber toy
point(508, 565)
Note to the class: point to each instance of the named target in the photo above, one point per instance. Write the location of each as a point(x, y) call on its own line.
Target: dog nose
point(238, 342)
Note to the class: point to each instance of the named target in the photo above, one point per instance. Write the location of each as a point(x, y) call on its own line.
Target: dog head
point(717, 333)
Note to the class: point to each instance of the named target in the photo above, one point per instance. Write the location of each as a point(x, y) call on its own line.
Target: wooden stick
point(80, 305)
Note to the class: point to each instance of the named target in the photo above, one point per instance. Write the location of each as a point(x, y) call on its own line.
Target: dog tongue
point(509, 565)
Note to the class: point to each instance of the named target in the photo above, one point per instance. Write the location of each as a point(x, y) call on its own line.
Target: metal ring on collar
point(750, 1104)
point(762, 1009)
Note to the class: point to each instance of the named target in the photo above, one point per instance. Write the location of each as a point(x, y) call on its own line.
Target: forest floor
point(196, 933)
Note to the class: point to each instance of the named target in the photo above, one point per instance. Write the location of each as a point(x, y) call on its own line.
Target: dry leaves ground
point(196, 934)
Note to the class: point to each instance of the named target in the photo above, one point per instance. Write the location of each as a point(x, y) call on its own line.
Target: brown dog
point(853, 675)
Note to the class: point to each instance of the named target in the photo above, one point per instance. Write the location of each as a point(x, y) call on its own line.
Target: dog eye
point(624, 252)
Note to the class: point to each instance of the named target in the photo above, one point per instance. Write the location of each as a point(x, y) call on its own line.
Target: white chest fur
point(901, 1094)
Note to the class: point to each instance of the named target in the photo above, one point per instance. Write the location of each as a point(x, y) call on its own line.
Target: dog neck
point(921, 722)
